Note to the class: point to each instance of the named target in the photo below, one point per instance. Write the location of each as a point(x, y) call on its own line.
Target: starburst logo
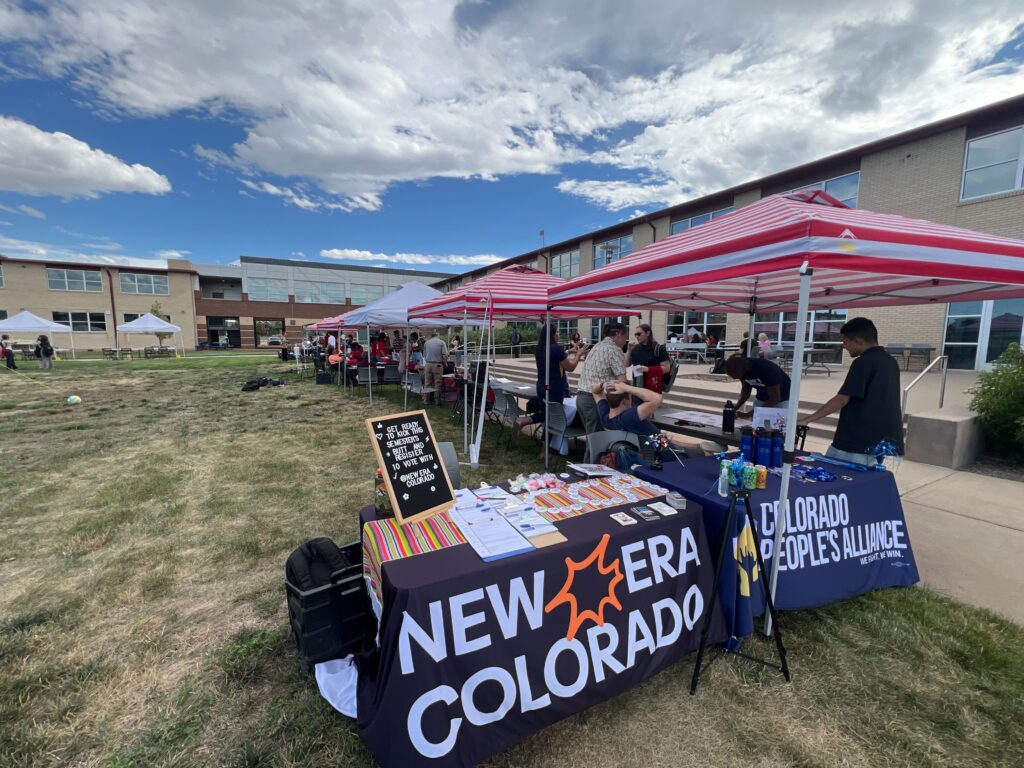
point(565, 594)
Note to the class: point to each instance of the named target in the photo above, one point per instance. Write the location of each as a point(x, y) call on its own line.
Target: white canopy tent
point(26, 322)
point(150, 323)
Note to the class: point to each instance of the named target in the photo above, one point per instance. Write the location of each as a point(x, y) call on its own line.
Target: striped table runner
point(386, 540)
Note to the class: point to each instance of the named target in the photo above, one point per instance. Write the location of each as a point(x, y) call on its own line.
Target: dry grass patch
point(142, 619)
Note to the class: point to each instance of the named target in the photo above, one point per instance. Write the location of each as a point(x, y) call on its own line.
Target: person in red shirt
point(379, 348)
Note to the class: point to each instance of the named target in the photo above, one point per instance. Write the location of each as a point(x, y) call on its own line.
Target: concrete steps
point(687, 394)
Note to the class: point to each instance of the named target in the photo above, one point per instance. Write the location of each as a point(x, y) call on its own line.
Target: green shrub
point(999, 403)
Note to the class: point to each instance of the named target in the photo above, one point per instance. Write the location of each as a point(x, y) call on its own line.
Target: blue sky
point(444, 135)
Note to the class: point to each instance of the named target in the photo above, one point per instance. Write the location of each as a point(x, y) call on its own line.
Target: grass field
point(142, 619)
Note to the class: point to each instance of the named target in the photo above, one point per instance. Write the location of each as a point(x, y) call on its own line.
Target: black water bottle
point(729, 417)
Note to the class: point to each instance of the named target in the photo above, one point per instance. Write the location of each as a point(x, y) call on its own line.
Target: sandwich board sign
point(410, 461)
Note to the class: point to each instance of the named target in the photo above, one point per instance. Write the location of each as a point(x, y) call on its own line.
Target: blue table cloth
point(841, 538)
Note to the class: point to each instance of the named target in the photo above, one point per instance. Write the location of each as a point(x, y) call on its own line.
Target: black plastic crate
point(325, 377)
point(331, 621)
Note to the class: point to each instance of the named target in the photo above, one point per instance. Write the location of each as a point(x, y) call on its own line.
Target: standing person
point(869, 400)
point(764, 347)
point(769, 382)
point(332, 343)
point(457, 350)
point(415, 350)
point(575, 340)
point(561, 363)
point(605, 362)
point(435, 355)
point(7, 351)
point(398, 349)
point(649, 358)
point(517, 339)
point(378, 348)
point(44, 351)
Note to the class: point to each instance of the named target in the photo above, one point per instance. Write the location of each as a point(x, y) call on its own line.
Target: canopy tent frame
point(27, 322)
point(759, 258)
point(150, 324)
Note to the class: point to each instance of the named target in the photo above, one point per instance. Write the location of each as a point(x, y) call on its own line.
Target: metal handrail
point(942, 386)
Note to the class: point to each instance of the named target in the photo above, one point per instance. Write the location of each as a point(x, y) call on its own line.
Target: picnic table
point(906, 353)
point(814, 357)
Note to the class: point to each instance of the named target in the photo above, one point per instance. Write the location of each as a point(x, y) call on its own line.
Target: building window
point(1, 275)
point(310, 292)
point(566, 264)
point(683, 225)
point(269, 332)
point(3, 314)
point(74, 280)
point(963, 329)
point(82, 321)
point(364, 294)
point(707, 324)
point(267, 289)
point(993, 164)
point(612, 250)
point(822, 329)
point(845, 189)
point(140, 283)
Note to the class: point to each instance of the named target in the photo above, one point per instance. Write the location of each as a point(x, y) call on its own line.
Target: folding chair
point(391, 374)
point(451, 463)
point(557, 426)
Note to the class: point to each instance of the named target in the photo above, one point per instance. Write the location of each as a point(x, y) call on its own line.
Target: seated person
point(617, 411)
point(356, 359)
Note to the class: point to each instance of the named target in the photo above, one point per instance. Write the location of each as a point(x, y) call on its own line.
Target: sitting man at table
point(869, 400)
point(356, 359)
point(769, 382)
point(616, 409)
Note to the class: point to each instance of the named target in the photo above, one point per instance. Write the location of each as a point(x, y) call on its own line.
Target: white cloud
point(31, 249)
point(6, 223)
point(339, 101)
point(298, 254)
point(420, 259)
point(37, 162)
point(28, 210)
point(172, 253)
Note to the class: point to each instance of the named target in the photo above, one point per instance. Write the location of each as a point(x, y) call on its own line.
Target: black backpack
point(313, 564)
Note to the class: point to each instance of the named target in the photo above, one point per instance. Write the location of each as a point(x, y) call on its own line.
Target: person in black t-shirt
point(769, 382)
point(869, 400)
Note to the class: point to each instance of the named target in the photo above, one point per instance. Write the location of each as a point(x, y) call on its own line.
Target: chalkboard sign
point(411, 463)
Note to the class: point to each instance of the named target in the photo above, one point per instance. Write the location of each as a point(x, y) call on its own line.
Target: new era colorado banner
point(475, 657)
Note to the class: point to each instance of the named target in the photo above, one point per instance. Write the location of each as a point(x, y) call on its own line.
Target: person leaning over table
point(604, 362)
point(650, 357)
point(769, 382)
point(868, 401)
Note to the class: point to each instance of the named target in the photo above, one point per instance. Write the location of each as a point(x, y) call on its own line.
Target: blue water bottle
point(764, 448)
point(747, 442)
point(776, 448)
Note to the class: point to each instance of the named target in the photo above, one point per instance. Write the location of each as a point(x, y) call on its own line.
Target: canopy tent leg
point(547, 378)
point(474, 453)
point(73, 355)
point(791, 416)
point(372, 369)
point(465, 383)
point(751, 346)
point(405, 365)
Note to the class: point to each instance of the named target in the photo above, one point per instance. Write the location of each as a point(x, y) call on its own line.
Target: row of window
point(311, 292)
point(91, 280)
point(994, 164)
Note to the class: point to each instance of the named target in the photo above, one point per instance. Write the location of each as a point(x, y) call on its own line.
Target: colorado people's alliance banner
point(469, 666)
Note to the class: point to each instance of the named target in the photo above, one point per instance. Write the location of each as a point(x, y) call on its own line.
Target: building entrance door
point(1002, 324)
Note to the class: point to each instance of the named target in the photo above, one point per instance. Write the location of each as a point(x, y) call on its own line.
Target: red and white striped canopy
point(513, 292)
point(859, 258)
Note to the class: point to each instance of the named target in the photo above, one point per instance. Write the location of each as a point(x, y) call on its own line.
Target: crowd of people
point(621, 382)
